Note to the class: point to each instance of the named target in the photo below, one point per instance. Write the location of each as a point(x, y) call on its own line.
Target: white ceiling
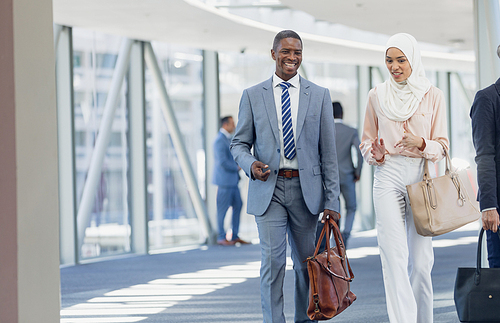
point(195, 24)
point(443, 22)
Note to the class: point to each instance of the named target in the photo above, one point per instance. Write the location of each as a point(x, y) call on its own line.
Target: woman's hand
point(378, 149)
point(409, 140)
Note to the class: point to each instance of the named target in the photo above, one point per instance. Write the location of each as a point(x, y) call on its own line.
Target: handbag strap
point(338, 238)
point(325, 231)
point(477, 276)
point(327, 228)
point(330, 225)
point(447, 158)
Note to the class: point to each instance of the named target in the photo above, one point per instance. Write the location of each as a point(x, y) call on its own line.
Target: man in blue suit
point(226, 177)
point(285, 143)
point(485, 115)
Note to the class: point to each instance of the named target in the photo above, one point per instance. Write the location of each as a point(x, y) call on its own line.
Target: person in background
point(485, 117)
point(285, 143)
point(346, 138)
point(405, 118)
point(226, 177)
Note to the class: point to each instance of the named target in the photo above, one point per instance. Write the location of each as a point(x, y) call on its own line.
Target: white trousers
point(407, 257)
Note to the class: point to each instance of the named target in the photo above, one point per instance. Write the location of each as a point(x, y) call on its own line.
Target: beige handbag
point(443, 204)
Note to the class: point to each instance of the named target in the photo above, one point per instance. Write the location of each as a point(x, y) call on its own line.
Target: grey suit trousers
point(287, 213)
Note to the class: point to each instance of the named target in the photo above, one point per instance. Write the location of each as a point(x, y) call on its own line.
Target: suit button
point(275, 172)
point(278, 151)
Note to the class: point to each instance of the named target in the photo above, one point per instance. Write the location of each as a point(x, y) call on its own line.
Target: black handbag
point(477, 291)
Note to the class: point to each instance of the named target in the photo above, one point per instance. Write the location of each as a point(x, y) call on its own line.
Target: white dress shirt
point(294, 105)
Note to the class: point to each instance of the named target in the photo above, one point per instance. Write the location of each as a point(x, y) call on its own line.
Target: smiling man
point(285, 143)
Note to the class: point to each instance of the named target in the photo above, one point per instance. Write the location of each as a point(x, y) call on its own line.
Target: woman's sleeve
point(370, 131)
point(433, 150)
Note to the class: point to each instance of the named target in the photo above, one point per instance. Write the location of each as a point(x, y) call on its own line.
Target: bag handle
point(447, 158)
point(330, 224)
point(477, 275)
point(327, 227)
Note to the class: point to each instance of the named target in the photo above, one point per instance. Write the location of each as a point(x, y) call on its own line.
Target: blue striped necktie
point(286, 115)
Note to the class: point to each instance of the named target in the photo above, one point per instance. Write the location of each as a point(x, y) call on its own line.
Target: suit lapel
point(497, 86)
point(304, 98)
point(268, 96)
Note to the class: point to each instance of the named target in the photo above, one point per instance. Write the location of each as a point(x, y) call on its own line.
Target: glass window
point(77, 59)
point(341, 80)
point(171, 217)
point(238, 71)
point(106, 60)
point(107, 227)
point(462, 89)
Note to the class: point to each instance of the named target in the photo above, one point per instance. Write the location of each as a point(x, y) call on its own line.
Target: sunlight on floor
point(158, 295)
point(136, 303)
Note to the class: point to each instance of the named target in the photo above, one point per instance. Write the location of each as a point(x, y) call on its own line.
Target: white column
point(157, 173)
point(487, 23)
point(211, 116)
point(29, 220)
point(364, 188)
point(443, 83)
point(493, 26)
point(137, 133)
point(65, 130)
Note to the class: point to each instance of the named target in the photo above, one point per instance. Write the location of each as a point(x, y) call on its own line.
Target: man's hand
point(260, 171)
point(330, 214)
point(490, 220)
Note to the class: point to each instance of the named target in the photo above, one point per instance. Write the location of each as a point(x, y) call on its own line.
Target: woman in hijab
point(405, 118)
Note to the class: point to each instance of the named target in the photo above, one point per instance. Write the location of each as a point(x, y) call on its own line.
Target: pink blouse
point(428, 122)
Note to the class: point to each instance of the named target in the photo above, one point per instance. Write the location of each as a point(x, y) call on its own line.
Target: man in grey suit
point(285, 143)
point(226, 177)
point(485, 115)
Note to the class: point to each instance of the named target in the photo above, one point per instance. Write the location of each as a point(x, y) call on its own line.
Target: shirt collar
point(338, 120)
point(294, 81)
point(225, 133)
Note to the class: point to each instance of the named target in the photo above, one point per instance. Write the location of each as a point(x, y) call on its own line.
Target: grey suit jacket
point(345, 138)
point(315, 145)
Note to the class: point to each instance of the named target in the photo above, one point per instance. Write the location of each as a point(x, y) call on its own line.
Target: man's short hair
point(225, 120)
point(338, 112)
point(285, 34)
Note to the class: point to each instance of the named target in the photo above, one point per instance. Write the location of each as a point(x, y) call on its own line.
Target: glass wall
point(107, 229)
point(237, 71)
point(242, 70)
point(171, 217)
point(169, 212)
point(341, 80)
point(462, 90)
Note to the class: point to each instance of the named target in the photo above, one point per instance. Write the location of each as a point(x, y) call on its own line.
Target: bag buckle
point(316, 302)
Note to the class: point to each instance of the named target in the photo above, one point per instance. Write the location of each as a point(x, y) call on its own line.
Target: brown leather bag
point(329, 277)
